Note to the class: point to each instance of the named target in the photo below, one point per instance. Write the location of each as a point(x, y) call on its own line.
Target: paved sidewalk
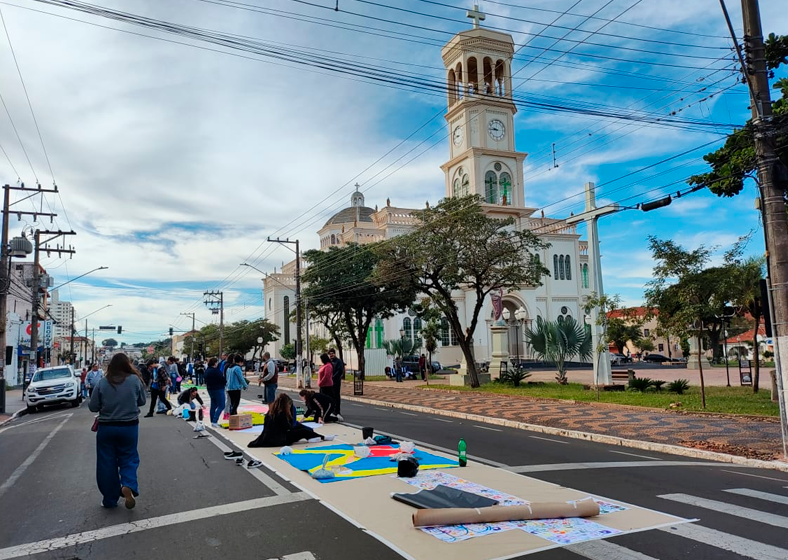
point(757, 439)
point(13, 404)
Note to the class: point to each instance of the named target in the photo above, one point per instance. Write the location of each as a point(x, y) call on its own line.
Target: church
point(482, 160)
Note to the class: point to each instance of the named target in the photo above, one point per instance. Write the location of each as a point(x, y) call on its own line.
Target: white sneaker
point(214, 425)
point(330, 438)
point(339, 417)
point(314, 440)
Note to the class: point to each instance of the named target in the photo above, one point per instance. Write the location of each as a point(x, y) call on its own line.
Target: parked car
point(412, 363)
point(617, 359)
point(656, 358)
point(53, 385)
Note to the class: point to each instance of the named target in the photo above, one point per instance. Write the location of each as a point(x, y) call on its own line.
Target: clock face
point(457, 135)
point(496, 129)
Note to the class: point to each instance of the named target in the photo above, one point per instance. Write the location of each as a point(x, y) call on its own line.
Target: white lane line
point(382, 409)
point(635, 455)
point(604, 550)
point(487, 428)
point(450, 452)
point(306, 555)
point(776, 498)
point(725, 541)
point(730, 509)
point(442, 420)
point(36, 421)
point(407, 413)
point(261, 476)
point(609, 465)
point(20, 470)
point(549, 439)
point(49, 545)
point(757, 476)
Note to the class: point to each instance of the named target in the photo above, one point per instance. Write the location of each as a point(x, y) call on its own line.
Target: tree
point(401, 346)
point(559, 341)
point(317, 344)
point(747, 275)
point(735, 162)
point(339, 281)
point(287, 351)
point(111, 342)
point(646, 344)
point(430, 332)
point(620, 331)
point(459, 247)
point(241, 337)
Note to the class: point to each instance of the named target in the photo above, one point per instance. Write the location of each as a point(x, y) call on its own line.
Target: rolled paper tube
point(544, 510)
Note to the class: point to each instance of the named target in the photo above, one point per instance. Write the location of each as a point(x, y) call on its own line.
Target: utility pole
point(772, 195)
point(93, 350)
point(191, 354)
point(38, 246)
point(299, 319)
point(71, 352)
point(214, 300)
point(602, 373)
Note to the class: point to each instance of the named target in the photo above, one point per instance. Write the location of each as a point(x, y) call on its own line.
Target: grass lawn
point(386, 378)
point(730, 400)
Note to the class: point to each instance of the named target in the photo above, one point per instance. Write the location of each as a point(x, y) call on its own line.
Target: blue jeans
point(117, 461)
point(270, 393)
point(217, 404)
point(84, 390)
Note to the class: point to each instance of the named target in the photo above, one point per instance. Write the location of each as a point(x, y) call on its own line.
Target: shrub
point(640, 384)
point(678, 386)
point(657, 384)
point(515, 377)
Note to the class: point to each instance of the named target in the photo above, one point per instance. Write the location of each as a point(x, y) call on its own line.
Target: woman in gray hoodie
point(117, 398)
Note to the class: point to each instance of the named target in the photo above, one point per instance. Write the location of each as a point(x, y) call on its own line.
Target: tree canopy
point(111, 342)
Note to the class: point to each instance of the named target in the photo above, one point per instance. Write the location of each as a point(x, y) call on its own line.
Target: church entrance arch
point(518, 349)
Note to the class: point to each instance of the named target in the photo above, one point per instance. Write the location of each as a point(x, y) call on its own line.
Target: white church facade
point(482, 160)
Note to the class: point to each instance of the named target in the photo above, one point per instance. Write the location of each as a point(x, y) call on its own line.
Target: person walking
point(199, 372)
point(158, 388)
point(423, 367)
point(236, 382)
point(270, 378)
point(215, 382)
point(224, 363)
point(117, 398)
point(84, 387)
point(337, 375)
point(325, 376)
point(145, 374)
point(92, 379)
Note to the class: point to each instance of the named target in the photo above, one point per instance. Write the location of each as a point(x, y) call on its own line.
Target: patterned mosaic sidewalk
point(757, 439)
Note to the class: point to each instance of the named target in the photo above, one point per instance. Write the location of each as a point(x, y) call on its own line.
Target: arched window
point(286, 315)
point(488, 75)
point(465, 185)
point(568, 267)
point(491, 187)
point(407, 326)
point(555, 266)
point(505, 190)
point(416, 328)
point(585, 276)
point(452, 87)
point(445, 337)
point(460, 91)
point(473, 76)
point(456, 189)
point(500, 79)
point(561, 267)
point(333, 239)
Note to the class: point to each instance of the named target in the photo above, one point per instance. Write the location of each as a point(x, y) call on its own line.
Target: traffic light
point(120, 329)
point(170, 331)
point(200, 348)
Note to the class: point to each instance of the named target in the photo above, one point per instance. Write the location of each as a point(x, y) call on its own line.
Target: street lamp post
point(401, 352)
point(73, 330)
point(78, 277)
point(520, 316)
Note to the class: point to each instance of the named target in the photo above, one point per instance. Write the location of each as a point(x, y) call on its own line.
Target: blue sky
point(175, 163)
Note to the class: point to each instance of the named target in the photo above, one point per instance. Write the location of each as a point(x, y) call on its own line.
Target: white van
point(53, 385)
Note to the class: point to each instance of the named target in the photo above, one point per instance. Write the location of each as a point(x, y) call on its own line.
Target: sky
point(176, 158)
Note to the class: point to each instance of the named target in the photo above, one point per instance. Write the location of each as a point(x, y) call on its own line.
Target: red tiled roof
point(631, 312)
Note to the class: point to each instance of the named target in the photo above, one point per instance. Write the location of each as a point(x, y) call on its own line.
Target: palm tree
point(559, 341)
point(430, 333)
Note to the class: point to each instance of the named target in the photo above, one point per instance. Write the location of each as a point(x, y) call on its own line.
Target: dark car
point(412, 363)
point(656, 358)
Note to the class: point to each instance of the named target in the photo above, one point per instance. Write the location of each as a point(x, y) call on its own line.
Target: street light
point(520, 316)
point(398, 373)
point(80, 276)
point(73, 330)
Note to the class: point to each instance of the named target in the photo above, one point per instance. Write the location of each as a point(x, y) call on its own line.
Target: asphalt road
point(194, 504)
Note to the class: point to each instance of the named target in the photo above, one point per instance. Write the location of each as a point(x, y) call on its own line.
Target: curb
point(587, 436)
point(14, 416)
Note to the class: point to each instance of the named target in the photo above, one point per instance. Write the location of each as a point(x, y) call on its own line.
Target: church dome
point(357, 212)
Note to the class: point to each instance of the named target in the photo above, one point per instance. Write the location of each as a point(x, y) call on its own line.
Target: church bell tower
point(480, 115)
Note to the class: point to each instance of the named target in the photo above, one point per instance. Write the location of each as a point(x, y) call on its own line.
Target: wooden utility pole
point(772, 182)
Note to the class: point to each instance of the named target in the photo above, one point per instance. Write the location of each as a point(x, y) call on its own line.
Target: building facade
point(482, 160)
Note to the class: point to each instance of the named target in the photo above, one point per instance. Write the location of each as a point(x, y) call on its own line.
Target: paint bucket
point(367, 432)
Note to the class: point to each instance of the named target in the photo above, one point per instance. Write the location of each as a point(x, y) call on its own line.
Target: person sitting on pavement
point(188, 396)
point(281, 429)
point(319, 405)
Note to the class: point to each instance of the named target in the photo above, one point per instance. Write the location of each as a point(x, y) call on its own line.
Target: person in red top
point(83, 387)
point(325, 376)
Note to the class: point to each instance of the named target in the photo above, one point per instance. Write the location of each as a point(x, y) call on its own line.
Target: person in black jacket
point(280, 427)
point(158, 388)
point(337, 374)
point(215, 382)
point(319, 405)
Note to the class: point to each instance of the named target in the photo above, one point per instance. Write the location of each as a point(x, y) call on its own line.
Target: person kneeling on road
point(190, 395)
point(319, 405)
point(280, 427)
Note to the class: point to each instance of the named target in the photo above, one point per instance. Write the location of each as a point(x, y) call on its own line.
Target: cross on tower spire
point(476, 15)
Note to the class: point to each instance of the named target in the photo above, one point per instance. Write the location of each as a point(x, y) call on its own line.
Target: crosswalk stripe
point(730, 509)
point(725, 541)
point(605, 550)
point(776, 498)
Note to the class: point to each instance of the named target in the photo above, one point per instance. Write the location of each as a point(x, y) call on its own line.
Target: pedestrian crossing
point(700, 533)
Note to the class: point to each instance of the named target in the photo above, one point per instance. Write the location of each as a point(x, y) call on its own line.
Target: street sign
point(106, 328)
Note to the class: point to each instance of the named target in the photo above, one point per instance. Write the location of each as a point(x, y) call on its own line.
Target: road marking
point(609, 465)
point(450, 452)
point(776, 498)
point(757, 476)
point(382, 409)
point(442, 420)
point(49, 545)
point(604, 550)
point(36, 421)
point(730, 509)
point(266, 480)
point(20, 470)
point(726, 541)
point(635, 455)
point(306, 555)
point(407, 413)
point(549, 439)
point(487, 428)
